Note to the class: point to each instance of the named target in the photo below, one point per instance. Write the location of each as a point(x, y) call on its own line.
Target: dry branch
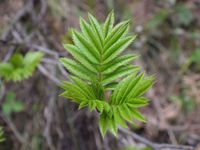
point(153, 145)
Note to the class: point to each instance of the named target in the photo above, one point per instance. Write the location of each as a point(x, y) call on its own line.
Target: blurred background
point(34, 117)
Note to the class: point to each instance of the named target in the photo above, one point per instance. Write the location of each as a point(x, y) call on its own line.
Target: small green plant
point(157, 19)
point(103, 79)
point(193, 59)
point(11, 104)
point(184, 16)
point(19, 67)
point(1, 135)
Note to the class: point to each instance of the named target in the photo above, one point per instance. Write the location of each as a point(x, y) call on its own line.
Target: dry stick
point(155, 146)
point(11, 50)
point(12, 126)
point(45, 72)
point(42, 10)
point(49, 61)
point(31, 46)
point(49, 116)
point(17, 18)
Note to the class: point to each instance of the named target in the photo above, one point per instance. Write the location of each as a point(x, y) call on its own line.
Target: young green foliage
point(1, 135)
point(11, 105)
point(98, 67)
point(19, 67)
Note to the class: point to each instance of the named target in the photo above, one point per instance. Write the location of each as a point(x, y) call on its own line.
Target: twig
point(42, 10)
point(49, 61)
point(11, 125)
point(32, 46)
point(17, 18)
point(153, 145)
point(48, 114)
point(45, 72)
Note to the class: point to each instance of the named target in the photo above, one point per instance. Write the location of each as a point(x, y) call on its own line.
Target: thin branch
point(45, 72)
point(153, 145)
point(18, 16)
point(31, 46)
point(12, 126)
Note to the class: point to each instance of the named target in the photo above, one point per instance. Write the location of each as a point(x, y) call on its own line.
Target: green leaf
point(83, 104)
point(11, 105)
point(138, 102)
point(89, 34)
point(125, 112)
point(19, 67)
point(118, 118)
point(108, 25)
point(103, 123)
point(122, 71)
point(84, 87)
point(73, 50)
point(16, 60)
point(116, 34)
point(118, 88)
point(144, 85)
point(98, 89)
point(1, 135)
point(107, 122)
point(92, 105)
point(6, 69)
point(113, 65)
point(195, 57)
point(117, 48)
point(113, 126)
point(184, 14)
point(137, 115)
point(75, 92)
point(31, 59)
point(96, 27)
point(76, 69)
point(128, 88)
point(157, 19)
point(87, 49)
point(111, 86)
